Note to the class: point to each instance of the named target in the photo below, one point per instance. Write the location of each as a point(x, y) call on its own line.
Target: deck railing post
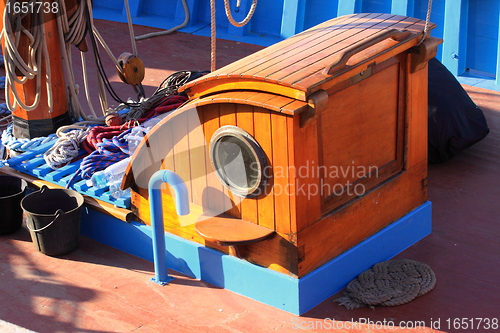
point(156, 213)
point(292, 20)
point(403, 7)
point(497, 78)
point(347, 7)
point(455, 35)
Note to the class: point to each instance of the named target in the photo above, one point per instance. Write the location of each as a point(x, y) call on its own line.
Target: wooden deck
point(99, 289)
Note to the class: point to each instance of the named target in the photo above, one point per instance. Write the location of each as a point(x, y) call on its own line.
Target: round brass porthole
point(238, 161)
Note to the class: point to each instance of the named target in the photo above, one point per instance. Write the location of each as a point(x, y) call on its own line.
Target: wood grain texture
point(293, 67)
point(306, 72)
point(245, 121)
point(215, 191)
point(281, 173)
point(230, 231)
point(265, 100)
point(263, 135)
point(307, 184)
point(357, 221)
point(416, 117)
point(361, 133)
point(228, 117)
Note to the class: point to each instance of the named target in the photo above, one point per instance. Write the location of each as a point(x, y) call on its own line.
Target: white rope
point(79, 125)
point(427, 19)
point(62, 23)
point(65, 149)
point(85, 83)
point(13, 60)
point(107, 49)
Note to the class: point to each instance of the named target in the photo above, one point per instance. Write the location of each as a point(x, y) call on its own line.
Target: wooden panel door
point(363, 133)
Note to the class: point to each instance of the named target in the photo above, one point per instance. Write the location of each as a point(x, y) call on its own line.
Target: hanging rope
point(247, 18)
point(213, 33)
point(65, 149)
point(169, 31)
point(427, 19)
point(12, 30)
point(131, 29)
point(63, 28)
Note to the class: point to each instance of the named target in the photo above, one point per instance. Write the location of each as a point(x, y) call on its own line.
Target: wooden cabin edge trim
point(293, 107)
point(122, 214)
point(324, 236)
point(225, 83)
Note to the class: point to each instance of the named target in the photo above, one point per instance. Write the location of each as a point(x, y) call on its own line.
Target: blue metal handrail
point(155, 204)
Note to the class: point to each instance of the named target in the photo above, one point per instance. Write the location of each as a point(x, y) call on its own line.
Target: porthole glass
point(238, 161)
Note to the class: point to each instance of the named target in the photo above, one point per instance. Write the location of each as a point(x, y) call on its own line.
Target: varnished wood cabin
point(331, 125)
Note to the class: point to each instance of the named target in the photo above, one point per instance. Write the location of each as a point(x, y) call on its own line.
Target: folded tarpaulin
point(455, 121)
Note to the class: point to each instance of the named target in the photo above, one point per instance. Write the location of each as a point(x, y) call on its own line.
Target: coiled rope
point(11, 32)
point(23, 145)
point(107, 152)
point(65, 149)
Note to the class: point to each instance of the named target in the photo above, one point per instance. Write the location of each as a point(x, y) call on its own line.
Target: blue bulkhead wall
point(469, 28)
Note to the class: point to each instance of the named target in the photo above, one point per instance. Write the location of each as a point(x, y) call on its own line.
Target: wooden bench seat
point(232, 232)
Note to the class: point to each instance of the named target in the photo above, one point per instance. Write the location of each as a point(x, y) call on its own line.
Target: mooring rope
point(11, 33)
point(389, 283)
point(107, 153)
point(65, 149)
point(427, 19)
point(213, 33)
point(23, 145)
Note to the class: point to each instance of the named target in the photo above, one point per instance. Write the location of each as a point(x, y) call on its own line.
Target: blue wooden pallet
point(32, 163)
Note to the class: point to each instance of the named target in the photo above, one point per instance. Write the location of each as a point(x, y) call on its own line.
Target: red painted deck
point(99, 289)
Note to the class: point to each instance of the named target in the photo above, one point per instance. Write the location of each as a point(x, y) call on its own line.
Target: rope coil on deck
point(389, 283)
point(65, 149)
point(22, 145)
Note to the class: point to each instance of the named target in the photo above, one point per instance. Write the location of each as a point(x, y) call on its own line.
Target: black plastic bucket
point(53, 219)
point(12, 191)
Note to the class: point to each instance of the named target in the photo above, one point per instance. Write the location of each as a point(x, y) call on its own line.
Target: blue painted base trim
point(478, 80)
point(267, 286)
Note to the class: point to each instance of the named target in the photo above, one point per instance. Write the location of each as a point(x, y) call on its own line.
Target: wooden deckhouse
point(330, 129)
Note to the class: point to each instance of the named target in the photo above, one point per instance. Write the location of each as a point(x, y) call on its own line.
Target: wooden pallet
point(33, 164)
